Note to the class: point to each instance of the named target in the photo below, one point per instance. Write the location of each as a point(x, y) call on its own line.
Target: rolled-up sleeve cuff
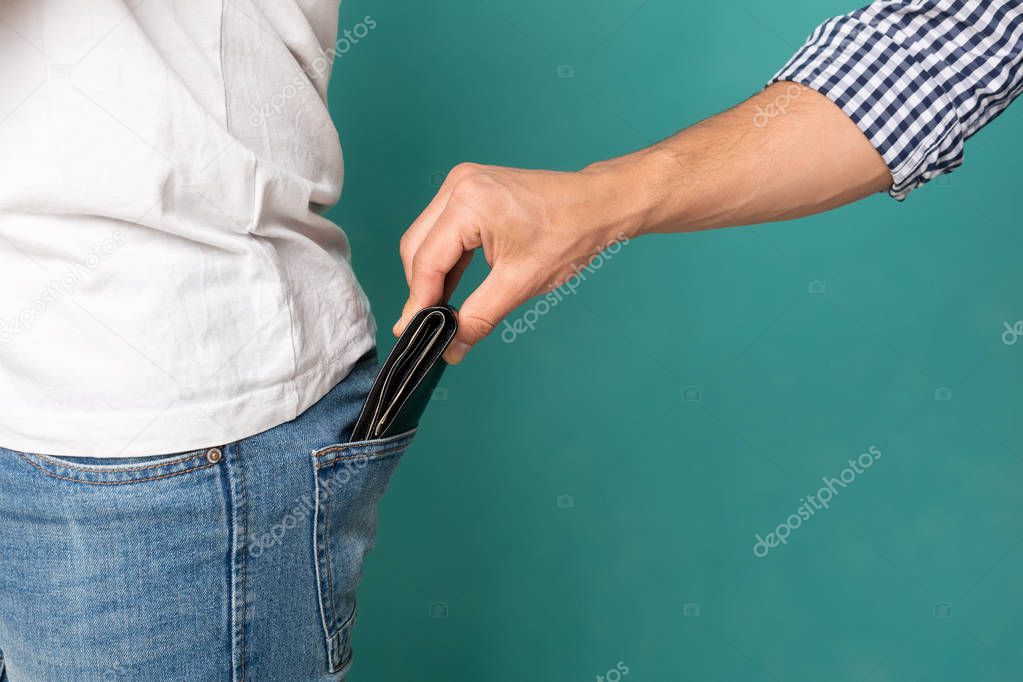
point(890, 93)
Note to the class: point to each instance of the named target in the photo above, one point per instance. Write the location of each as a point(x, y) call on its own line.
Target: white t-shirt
point(166, 279)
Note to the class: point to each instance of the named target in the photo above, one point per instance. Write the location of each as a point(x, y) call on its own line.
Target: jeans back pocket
point(350, 480)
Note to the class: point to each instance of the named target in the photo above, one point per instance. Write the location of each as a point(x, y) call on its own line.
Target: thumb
point(490, 303)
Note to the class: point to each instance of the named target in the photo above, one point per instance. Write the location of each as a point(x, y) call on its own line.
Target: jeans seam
point(370, 456)
point(319, 550)
point(143, 467)
point(330, 564)
point(402, 440)
point(245, 554)
point(339, 646)
point(128, 482)
point(322, 562)
point(239, 525)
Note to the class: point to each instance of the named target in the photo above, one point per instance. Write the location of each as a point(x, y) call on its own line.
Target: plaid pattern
point(919, 77)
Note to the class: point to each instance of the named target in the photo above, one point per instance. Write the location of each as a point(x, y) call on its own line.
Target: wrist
point(630, 192)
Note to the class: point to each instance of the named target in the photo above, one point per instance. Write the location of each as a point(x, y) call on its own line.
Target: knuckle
point(405, 247)
point(422, 264)
point(461, 171)
point(476, 324)
point(474, 190)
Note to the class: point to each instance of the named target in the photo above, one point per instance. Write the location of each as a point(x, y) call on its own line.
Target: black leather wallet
point(409, 374)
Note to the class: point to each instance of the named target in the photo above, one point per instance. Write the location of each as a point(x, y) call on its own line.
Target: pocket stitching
point(325, 548)
point(113, 469)
point(344, 635)
point(133, 480)
point(402, 439)
point(370, 456)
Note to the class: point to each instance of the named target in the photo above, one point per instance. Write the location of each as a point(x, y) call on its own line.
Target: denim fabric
point(235, 562)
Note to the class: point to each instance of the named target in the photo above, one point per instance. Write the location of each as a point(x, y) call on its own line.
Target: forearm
point(784, 153)
point(881, 98)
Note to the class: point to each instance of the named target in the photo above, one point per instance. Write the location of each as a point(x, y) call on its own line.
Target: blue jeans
point(234, 562)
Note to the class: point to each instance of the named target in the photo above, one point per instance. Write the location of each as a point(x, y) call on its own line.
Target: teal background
point(913, 573)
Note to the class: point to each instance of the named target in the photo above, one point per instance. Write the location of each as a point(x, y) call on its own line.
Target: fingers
point(455, 276)
point(421, 226)
point(441, 257)
point(438, 247)
point(417, 231)
point(497, 296)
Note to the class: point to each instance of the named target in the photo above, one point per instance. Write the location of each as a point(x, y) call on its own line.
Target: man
point(170, 287)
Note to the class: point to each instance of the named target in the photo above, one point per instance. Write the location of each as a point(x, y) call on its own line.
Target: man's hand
point(536, 229)
point(785, 153)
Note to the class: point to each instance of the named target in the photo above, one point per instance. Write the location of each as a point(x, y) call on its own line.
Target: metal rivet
point(214, 455)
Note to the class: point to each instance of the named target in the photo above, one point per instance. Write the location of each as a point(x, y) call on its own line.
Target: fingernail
point(456, 351)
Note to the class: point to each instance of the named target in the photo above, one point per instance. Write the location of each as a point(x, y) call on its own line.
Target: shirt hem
point(198, 425)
